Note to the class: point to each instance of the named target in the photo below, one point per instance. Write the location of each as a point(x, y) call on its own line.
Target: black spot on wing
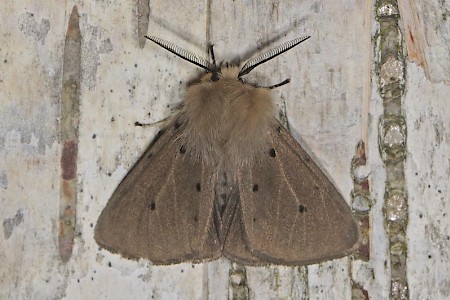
point(302, 208)
point(198, 187)
point(272, 152)
point(152, 205)
point(255, 187)
point(183, 149)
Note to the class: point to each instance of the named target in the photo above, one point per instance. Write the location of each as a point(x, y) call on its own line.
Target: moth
point(225, 178)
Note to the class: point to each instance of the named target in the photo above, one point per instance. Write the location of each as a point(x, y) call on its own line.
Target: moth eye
point(255, 187)
point(272, 153)
point(182, 149)
point(152, 206)
point(150, 155)
point(307, 158)
point(215, 77)
point(198, 187)
point(302, 208)
point(279, 129)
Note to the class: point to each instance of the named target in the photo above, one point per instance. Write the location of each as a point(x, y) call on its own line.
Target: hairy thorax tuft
point(227, 120)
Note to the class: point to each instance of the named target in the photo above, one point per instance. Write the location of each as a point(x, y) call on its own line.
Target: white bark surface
point(332, 103)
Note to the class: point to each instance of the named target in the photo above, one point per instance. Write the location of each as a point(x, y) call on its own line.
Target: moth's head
point(218, 72)
point(224, 72)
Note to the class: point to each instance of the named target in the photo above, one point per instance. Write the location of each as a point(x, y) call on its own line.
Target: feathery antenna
point(184, 54)
point(262, 58)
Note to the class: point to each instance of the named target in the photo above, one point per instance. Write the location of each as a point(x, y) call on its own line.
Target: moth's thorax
point(227, 120)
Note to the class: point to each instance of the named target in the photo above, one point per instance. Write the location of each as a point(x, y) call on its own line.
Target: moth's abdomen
point(227, 121)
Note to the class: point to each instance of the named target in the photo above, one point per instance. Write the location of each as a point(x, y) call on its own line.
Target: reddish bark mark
point(365, 185)
point(360, 157)
point(361, 153)
point(363, 250)
point(67, 191)
point(69, 213)
point(411, 35)
point(65, 247)
point(73, 28)
point(358, 292)
point(414, 50)
point(69, 160)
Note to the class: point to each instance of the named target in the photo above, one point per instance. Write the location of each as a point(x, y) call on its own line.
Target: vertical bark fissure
point(392, 140)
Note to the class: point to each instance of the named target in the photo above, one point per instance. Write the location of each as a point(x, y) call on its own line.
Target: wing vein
point(208, 220)
point(283, 173)
point(278, 210)
point(158, 195)
point(291, 190)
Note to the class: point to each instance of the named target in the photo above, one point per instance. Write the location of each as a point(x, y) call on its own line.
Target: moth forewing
point(225, 178)
point(161, 210)
point(292, 213)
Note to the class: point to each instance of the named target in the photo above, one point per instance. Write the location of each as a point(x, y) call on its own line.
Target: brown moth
point(225, 178)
